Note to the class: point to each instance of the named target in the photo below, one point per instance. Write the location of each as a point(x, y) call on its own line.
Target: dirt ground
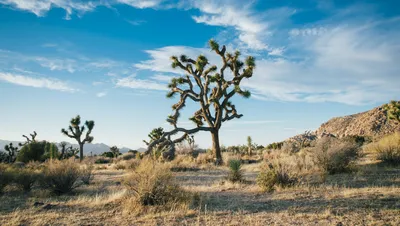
point(370, 196)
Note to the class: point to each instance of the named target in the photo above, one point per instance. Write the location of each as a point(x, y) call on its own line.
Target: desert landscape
point(332, 180)
point(199, 112)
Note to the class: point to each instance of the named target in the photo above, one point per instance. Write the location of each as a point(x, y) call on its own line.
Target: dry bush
point(25, 178)
point(333, 155)
point(277, 173)
point(183, 163)
point(151, 184)
point(120, 166)
point(5, 176)
point(127, 156)
point(204, 158)
point(387, 149)
point(87, 173)
point(61, 176)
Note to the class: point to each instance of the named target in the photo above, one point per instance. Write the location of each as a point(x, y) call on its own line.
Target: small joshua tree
point(157, 150)
point(393, 110)
point(249, 145)
point(75, 131)
point(29, 140)
point(12, 152)
point(115, 151)
point(212, 89)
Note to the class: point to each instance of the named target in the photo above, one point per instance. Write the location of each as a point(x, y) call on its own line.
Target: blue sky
point(109, 61)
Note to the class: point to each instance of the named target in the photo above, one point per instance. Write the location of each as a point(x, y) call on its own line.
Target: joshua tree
point(12, 152)
point(211, 88)
point(393, 110)
point(75, 131)
point(29, 140)
point(159, 149)
point(115, 151)
point(249, 145)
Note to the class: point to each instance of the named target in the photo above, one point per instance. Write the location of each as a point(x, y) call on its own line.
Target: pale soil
point(368, 197)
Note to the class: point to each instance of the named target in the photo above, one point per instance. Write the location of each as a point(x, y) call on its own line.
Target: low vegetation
point(152, 184)
point(387, 149)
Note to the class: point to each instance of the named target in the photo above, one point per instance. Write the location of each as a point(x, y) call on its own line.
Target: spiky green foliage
point(212, 89)
point(393, 110)
point(29, 140)
point(11, 154)
point(235, 171)
point(75, 131)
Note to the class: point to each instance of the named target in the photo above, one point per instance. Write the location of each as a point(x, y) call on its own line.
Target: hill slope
point(372, 123)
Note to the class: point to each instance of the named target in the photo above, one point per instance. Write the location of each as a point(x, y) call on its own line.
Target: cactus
point(75, 131)
point(211, 89)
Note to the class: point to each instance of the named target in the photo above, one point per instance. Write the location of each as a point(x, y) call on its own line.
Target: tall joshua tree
point(212, 88)
point(75, 131)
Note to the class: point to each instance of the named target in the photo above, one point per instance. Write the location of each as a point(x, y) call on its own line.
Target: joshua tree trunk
point(216, 148)
point(81, 151)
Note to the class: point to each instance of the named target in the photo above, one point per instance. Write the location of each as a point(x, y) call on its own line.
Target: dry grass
point(370, 196)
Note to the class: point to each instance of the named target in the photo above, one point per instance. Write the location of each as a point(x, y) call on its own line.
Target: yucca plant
point(235, 171)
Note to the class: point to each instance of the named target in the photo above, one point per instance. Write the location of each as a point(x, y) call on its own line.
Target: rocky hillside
point(372, 123)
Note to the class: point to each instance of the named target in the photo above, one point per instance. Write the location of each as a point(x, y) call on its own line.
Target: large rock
point(373, 123)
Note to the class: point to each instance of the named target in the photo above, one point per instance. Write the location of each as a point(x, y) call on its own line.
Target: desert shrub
point(5, 177)
point(183, 163)
point(204, 158)
point(278, 173)
point(387, 149)
point(290, 147)
point(127, 156)
point(119, 166)
point(360, 140)
point(61, 176)
point(108, 154)
point(235, 171)
point(25, 178)
point(152, 184)
point(333, 155)
point(103, 160)
point(87, 173)
point(33, 151)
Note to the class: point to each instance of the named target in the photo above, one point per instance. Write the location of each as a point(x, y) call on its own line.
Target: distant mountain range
point(87, 148)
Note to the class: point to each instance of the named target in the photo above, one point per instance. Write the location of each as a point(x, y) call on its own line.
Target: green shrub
point(5, 177)
point(33, 151)
point(87, 173)
point(235, 171)
point(103, 160)
point(25, 178)
point(387, 149)
point(61, 176)
point(333, 155)
point(127, 156)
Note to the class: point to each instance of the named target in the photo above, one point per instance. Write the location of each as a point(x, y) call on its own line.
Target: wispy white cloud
point(134, 83)
point(141, 4)
point(40, 7)
point(101, 94)
point(136, 22)
point(57, 64)
point(37, 82)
